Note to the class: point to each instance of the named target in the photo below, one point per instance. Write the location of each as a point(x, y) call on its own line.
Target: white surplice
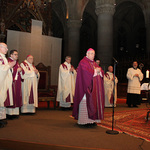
point(134, 85)
point(109, 88)
point(5, 84)
point(66, 85)
point(30, 80)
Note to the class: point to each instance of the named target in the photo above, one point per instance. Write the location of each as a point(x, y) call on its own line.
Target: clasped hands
point(136, 75)
point(71, 69)
point(98, 70)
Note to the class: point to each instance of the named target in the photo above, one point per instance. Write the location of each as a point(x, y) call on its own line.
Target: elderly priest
point(89, 100)
point(30, 76)
point(5, 83)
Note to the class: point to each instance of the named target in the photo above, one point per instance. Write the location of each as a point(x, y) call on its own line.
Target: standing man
point(66, 84)
point(13, 111)
point(109, 88)
point(5, 83)
point(134, 76)
point(89, 92)
point(98, 61)
point(30, 75)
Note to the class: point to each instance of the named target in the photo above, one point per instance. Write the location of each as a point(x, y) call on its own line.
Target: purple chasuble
point(93, 87)
point(16, 86)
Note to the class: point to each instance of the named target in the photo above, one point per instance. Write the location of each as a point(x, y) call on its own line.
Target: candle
point(147, 73)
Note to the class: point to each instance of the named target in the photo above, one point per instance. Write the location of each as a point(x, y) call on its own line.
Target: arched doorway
point(129, 37)
point(88, 31)
point(129, 31)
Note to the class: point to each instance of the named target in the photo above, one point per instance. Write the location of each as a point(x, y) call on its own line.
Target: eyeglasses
point(4, 47)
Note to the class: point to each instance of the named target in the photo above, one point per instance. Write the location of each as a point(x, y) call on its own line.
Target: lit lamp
point(147, 74)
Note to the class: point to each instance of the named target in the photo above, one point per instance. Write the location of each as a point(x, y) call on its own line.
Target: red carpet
point(132, 122)
point(121, 100)
point(44, 104)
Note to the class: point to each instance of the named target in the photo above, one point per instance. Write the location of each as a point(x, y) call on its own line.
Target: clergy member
point(13, 111)
point(5, 84)
point(30, 76)
point(88, 106)
point(134, 76)
point(98, 61)
point(109, 88)
point(66, 84)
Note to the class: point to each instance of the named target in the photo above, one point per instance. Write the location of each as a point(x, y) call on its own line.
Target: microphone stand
point(148, 101)
point(112, 131)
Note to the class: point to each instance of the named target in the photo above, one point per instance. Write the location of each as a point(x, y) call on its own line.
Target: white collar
point(3, 55)
point(11, 58)
point(66, 63)
point(28, 63)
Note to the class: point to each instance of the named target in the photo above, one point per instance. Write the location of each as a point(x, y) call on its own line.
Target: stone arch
point(129, 25)
point(139, 3)
point(88, 31)
point(59, 7)
point(59, 22)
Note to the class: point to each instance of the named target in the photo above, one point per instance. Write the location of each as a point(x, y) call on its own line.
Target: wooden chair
point(46, 93)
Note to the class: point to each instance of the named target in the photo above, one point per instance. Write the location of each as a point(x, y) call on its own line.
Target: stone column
point(105, 10)
point(74, 40)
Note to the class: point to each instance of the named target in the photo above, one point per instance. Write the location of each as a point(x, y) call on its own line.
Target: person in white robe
point(109, 88)
point(5, 84)
point(30, 76)
point(134, 76)
point(66, 84)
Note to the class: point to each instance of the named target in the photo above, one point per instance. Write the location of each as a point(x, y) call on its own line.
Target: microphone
point(115, 60)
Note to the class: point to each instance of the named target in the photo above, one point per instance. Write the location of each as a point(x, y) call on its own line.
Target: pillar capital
point(105, 6)
point(74, 23)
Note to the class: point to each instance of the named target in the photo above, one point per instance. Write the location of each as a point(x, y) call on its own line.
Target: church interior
point(50, 30)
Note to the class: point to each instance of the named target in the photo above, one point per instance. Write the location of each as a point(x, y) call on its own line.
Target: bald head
point(3, 48)
point(30, 59)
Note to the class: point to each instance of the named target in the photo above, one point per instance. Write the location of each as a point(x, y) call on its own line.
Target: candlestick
point(147, 73)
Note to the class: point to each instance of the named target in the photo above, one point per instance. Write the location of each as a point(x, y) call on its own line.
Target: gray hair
point(67, 57)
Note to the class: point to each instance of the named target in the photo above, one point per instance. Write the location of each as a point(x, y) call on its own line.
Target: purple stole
point(31, 97)
point(16, 86)
point(65, 67)
point(112, 95)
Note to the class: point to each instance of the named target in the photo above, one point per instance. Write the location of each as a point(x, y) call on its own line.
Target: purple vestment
point(93, 87)
point(16, 86)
